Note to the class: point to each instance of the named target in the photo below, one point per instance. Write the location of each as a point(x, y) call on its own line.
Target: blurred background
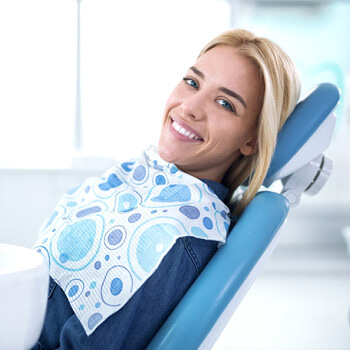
point(84, 82)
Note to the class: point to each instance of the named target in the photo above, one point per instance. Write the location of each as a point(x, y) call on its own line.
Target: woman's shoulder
point(199, 251)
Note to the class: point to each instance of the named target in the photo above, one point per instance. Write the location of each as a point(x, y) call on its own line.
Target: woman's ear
point(249, 147)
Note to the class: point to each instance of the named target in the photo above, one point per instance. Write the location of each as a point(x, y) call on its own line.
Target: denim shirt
point(133, 326)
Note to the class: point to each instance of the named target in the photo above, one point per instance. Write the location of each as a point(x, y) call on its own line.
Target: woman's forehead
point(226, 61)
point(224, 66)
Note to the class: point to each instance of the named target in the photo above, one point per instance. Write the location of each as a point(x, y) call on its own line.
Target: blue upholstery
point(228, 275)
point(307, 116)
point(207, 298)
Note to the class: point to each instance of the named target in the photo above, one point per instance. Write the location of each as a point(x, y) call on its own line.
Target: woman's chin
point(166, 154)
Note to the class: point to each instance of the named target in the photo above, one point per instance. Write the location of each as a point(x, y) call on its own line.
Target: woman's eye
point(191, 82)
point(226, 105)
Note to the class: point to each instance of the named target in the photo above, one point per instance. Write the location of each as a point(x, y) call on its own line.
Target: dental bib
point(109, 235)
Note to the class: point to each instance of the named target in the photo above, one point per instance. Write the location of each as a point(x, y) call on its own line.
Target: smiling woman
point(207, 104)
point(235, 99)
point(147, 227)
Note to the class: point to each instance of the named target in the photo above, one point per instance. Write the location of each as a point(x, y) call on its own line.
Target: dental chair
point(299, 164)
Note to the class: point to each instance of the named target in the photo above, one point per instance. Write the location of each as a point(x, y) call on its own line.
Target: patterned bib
point(109, 235)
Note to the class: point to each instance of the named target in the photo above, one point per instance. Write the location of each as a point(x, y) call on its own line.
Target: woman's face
point(211, 116)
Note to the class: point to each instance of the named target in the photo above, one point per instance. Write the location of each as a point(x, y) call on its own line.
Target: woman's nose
point(194, 106)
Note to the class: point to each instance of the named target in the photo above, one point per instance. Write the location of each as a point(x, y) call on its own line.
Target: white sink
point(24, 283)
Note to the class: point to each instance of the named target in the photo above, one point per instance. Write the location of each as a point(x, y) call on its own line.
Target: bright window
point(132, 54)
point(37, 82)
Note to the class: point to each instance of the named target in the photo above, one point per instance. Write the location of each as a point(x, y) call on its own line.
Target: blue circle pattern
point(157, 234)
point(190, 211)
point(70, 238)
point(94, 320)
point(127, 201)
point(88, 211)
point(117, 284)
point(115, 237)
point(139, 173)
point(74, 245)
point(74, 289)
point(118, 211)
point(134, 217)
point(208, 224)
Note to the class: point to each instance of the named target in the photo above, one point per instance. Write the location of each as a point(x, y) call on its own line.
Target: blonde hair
point(281, 92)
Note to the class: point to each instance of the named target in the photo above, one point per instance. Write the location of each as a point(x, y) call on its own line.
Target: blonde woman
point(219, 130)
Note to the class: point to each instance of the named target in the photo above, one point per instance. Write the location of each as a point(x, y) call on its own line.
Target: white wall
point(28, 197)
point(303, 307)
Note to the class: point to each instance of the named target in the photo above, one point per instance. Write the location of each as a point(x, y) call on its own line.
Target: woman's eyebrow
point(223, 89)
point(233, 94)
point(198, 72)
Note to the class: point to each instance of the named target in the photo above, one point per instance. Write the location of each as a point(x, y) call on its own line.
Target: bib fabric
point(109, 235)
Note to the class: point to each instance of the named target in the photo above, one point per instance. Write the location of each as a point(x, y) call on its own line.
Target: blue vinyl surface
point(307, 116)
point(219, 282)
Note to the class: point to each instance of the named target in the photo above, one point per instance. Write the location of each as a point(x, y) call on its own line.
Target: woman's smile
point(183, 132)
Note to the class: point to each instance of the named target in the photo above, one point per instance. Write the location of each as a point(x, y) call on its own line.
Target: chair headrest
point(308, 117)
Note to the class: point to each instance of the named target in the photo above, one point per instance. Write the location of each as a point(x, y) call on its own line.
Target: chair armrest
point(201, 307)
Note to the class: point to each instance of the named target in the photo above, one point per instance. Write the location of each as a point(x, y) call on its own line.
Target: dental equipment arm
point(308, 169)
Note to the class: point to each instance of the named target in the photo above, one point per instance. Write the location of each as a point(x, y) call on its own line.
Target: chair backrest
point(201, 315)
point(307, 132)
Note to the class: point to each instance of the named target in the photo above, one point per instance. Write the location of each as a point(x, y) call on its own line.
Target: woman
point(220, 126)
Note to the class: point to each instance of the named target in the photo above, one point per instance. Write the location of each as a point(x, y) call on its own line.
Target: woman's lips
point(184, 132)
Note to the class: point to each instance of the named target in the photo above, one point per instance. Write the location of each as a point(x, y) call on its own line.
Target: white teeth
point(185, 132)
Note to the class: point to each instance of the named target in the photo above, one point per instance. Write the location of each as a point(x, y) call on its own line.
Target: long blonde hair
point(281, 92)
